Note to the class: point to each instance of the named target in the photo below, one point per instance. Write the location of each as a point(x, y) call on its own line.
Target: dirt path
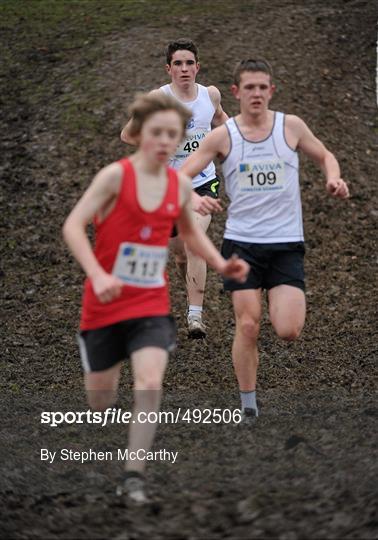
point(308, 468)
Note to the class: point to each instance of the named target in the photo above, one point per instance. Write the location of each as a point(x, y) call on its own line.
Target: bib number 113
point(147, 268)
point(141, 265)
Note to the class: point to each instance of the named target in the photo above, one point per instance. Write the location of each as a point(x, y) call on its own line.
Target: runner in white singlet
point(205, 106)
point(264, 225)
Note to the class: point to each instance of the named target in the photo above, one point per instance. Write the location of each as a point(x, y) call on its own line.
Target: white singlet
point(198, 126)
point(262, 183)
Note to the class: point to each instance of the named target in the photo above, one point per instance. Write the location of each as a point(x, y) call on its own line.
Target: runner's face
point(254, 91)
point(183, 68)
point(160, 135)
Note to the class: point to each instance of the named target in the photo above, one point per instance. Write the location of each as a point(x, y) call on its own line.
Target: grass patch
point(47, 17)
point(50, 48)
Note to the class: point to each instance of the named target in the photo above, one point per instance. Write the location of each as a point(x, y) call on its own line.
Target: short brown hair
point(259, 64)
point(145, 105)
point(181, 44)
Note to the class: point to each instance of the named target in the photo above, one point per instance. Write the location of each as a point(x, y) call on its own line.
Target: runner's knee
point(179, 254)
point(101, 400)
point(180, 257)
point(249, 328)
point(149, 381)
point(289, 333)
point(190, 255)
point(177, 248)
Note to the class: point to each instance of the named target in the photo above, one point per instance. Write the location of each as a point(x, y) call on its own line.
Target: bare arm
point(315, 150)
point(220, 117)
point(215, 144)
point(102, 191)
point(125, 135)
point(205, 204)
point(199, 243)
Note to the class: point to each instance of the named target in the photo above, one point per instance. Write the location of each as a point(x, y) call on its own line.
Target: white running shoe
point(196, 328)
point(133, 486)
point(248, 417)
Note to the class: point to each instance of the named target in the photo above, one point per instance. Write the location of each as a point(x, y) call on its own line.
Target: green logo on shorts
point(214, 186)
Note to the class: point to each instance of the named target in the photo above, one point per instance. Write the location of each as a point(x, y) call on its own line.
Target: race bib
point(190, 143)
point(261, 176)
point(140, 265)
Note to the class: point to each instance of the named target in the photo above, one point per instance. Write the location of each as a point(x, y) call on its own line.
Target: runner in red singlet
point(134, 204)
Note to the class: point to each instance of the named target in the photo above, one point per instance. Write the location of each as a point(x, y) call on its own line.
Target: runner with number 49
point(204, 103)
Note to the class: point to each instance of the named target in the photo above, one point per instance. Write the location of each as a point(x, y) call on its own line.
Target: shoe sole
point(197, 334)
point(120, 492)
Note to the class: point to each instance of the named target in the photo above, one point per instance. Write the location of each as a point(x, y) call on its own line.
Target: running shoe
point(248, 417)
point(196, 328)
point(133, 486)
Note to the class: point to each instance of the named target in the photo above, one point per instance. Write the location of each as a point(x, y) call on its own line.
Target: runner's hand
point(237, 269)
point(205, 205)
point(338, 188)
point(107, 287)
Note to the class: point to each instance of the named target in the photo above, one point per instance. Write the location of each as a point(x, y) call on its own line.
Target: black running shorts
point(271, 264)
point(104, 347)
point(211, 189)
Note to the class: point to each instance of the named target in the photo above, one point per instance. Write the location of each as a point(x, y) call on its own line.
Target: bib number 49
point(191, 146)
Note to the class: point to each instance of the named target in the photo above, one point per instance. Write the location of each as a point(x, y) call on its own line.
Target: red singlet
point(128, 224)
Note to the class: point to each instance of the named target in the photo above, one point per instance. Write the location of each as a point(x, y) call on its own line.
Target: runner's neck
point(263, 120)
point(255, 126)
point(185, 93)
point(145, 165)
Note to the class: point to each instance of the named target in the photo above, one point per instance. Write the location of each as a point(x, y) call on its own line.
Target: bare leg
point(196, 268)
point(247, 308)
point(102, 387)
point(176, 245)
point(148, 366)
point(287, 310)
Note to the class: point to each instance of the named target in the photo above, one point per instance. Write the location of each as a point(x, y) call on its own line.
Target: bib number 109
point(261, 178)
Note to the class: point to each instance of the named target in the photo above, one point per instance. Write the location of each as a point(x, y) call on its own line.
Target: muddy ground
point(308, 468)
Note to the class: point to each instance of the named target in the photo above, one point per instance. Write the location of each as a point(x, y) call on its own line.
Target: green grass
point(43, 39)
point(44, 17)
